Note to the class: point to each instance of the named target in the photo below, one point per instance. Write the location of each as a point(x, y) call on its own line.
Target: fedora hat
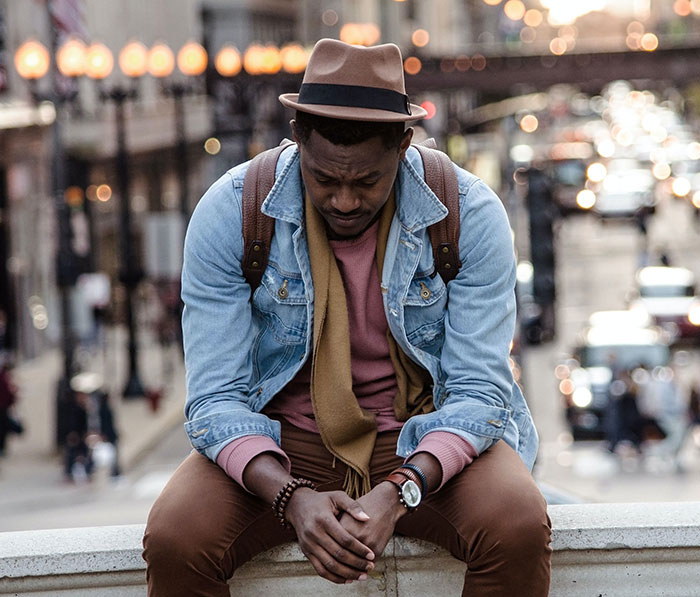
point(354, 83)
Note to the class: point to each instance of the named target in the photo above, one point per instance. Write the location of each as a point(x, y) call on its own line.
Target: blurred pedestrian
point(108, 430)
point(92, 429)
point(623, 420)
point(694, 403)
point(663, 400)
point(9, 423)
point(77, 463)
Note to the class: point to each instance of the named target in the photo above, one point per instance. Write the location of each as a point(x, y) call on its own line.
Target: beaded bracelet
point(279, 505)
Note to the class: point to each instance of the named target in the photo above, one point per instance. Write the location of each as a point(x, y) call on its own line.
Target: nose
point(345, 201)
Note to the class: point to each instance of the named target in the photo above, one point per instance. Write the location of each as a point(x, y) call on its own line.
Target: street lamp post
point(132, 62)
point(192, 62)
point(32, 61)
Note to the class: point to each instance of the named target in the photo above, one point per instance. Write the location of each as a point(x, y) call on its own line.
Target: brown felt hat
point(354, 83)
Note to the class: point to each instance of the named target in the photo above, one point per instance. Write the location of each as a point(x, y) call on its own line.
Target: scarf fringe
point(356, 484)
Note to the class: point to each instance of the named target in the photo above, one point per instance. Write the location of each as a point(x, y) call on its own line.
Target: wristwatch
point(410, 494)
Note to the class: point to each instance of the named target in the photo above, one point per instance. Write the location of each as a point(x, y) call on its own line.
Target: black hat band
point(354, 96)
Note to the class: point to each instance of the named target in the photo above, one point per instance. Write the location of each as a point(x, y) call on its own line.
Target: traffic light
point(541, 211)
point(541, 214)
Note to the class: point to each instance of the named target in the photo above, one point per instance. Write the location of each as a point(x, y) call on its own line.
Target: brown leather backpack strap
point(441, 177)
point(258, 228)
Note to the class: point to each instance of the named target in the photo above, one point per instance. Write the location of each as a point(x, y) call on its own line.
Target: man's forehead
point(321, 155)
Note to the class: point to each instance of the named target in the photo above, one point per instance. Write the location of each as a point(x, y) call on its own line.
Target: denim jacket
point(240, 352)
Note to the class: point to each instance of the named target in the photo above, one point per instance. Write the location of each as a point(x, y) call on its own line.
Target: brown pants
point(491, 516)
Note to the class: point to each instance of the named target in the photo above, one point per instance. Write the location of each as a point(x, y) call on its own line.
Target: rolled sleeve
point(234, 458)
point(451, 451)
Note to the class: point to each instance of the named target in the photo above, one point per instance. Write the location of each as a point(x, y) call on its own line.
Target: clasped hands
point(340, 536)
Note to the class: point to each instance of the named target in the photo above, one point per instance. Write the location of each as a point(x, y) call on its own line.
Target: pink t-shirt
point(373, 376)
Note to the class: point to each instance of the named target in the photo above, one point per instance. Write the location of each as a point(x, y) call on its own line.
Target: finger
point(333, 570)
point(344, 556)
point(347, 541)
point(347, 504)
point(323, 573)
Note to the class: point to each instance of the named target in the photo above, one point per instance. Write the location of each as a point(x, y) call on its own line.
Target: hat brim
point(351, 113)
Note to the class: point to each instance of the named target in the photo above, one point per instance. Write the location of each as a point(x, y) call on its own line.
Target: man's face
point(349, 184)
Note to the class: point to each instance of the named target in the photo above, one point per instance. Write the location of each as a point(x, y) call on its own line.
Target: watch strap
point(419, 475)
point(398, 478)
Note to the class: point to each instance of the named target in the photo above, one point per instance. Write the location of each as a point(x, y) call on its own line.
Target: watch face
point(411, 494)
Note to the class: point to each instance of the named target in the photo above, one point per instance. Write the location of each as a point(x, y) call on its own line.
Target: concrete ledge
point(599, 549)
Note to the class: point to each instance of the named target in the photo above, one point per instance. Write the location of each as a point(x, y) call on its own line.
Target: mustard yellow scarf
point(348, 431)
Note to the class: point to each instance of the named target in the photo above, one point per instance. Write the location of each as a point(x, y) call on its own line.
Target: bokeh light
point(228, 61)
point(212, 146)
point(133, 59)
point(103, 193)
point(557, 46)
point(70, 58)
point(192, 59)
point(32, 60)
point(585, 199)
point(682, 8)
point(596, 172)
point(649, 42)
point(514, 9)
point(661, 171)
point(294, 58)
point(420, 38)
point(161, 60)
point(412, 65)
point(680, 186)
point(430, 108)
point(529, 123)
point(527, 35)
point(329, 18)
point(99, 61)
point(533, 18)
point(478, 62)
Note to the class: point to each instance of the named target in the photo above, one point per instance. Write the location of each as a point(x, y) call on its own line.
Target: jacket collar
point(418, 207)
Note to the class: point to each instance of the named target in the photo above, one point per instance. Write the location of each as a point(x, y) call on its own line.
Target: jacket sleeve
point(218, 328)
point(475, 400)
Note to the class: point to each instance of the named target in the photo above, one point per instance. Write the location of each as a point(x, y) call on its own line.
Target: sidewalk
point(139, 427)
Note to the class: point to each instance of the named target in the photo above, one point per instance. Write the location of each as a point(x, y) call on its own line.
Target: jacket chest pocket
point(281, 306)
point(424, 312)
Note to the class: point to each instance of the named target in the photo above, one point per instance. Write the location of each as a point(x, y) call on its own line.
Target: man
point(354, 391)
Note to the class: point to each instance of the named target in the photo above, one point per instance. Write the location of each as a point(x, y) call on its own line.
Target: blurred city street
point(597, 262)
point(34, 492)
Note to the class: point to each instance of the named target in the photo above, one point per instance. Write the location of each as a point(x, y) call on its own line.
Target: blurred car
point(635, 318)
point(585, 377)
point(668, 295)
point(627, 190)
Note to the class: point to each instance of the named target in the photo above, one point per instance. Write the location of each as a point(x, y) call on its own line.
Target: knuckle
point(330, 565)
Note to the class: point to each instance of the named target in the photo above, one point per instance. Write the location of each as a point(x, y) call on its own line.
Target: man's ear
point(405, 142)
point(293, 126)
